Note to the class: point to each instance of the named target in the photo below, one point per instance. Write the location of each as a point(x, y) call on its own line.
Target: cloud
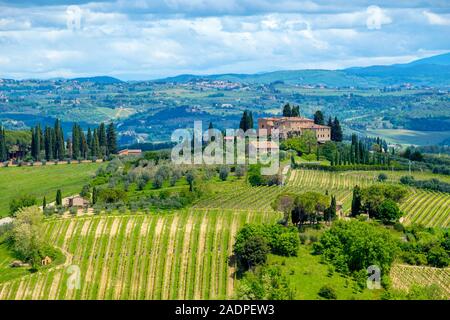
point(436, 19)
point(143, 39)
point(376, 18)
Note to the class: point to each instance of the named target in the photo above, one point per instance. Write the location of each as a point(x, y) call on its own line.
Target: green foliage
point(416, 292)
point(279, 240)
point(264, 283)
point(352, 246)
point(356, 201)
point(58, 197)
point(375, 195)
point(327, 292)
point(382, 177)
point(426, 246)
point(309, 206)
point(223, 172)
point(111, 195)
point(251, 250)
point(21, 202)
point(389, 212)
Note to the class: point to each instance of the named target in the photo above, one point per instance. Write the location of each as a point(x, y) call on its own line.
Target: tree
point(330, 213)
point(3, 151)
point(264, 283)
point(58, 197)
point(239, 171)
point(102, 138)
point(76, 141)
point(250, 120)
point(389, 211)
point(310, 139)
point(319, 118)
point(94, 195)
point(21, 202)
point(27, 235)
point(336, 131)
point(251, 251)
point(59, 141)
point(382, 177)
point(49, 143)
point(111, 139)
point(295, 111)
point(158, 181)
point(356, 201)
point(44, 203)
point(246, 121)
point(95, 151)
point(309, 206)
point(190, 178)
point(287, 111)
point(285, 203)
point(223, 172)
point(353, 246)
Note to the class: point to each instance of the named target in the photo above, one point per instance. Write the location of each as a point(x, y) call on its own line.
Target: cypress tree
point(111, 138)
point(295, 111)
point(3, 151)
point(58, 197)
point(102, 138)
point(356, 201)
point(44, 203)
point(94, 195)
point(89, 139)
point(76, 147)
point(336, 131)
point(59, 140)
point(319, 118)
point(287, 111)
point(84, 145)
point(243, 124)
point(69, 148)
point(250, 121)
point(95, 152)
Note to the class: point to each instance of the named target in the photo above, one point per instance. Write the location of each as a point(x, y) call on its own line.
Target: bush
point(223, 172)
point(21, 202)
point(382, 177)
point(327, 292)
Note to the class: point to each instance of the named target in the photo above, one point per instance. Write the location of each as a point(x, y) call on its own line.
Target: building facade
point(294, 126)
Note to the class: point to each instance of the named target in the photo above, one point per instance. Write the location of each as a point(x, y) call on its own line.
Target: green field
point(307, 275)
point(410, 137)
point(43, 181)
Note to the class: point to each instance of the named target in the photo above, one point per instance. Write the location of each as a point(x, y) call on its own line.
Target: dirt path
point(232, 267)
point(169, 257)
point(200, 256)
point(185, 253)
point(153, 257)
point(106, 263)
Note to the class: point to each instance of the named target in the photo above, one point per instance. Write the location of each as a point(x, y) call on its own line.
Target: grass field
point(307, 275)
point(43, 181)
point(158, 256)
point(410, 137)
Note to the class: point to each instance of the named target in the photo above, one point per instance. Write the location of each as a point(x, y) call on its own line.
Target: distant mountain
point(431, 71)
point(98, 80)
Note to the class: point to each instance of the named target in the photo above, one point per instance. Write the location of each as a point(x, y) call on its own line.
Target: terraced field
point(183, 255)
point(404, 276)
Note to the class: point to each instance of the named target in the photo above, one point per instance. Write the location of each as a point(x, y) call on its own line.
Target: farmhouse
point(77, 201)
point(294, 126)
point(130, 152)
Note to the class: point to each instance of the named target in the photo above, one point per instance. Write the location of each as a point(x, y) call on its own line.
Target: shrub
point(223, 172)
point(21, 202)
point(382, 177)
point(327, 292)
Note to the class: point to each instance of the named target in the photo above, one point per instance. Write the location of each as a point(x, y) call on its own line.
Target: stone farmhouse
point(294, 126)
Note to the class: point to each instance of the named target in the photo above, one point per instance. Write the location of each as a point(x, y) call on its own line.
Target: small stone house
point(78, 202)
point(46, 261)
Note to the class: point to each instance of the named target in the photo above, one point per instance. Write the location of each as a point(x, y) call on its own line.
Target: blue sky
point(147, 39)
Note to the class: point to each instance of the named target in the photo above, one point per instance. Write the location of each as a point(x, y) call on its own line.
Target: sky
point(149, 39)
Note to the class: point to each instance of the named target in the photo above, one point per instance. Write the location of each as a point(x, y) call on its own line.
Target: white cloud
point(376, 18)
point(435, 19)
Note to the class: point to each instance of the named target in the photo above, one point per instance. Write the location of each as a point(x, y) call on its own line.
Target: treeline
point(361, 152)
point(432, 184)
point(49, 143)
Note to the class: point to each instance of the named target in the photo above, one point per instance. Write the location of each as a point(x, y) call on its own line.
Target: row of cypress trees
point(100, 142)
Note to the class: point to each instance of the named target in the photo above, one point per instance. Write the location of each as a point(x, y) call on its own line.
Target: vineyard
point(425, 207)
point(404, 276)
point(183, 255)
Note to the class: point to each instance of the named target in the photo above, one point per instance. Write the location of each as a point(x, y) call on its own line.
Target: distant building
point(77, 201)
point(130, 152)
point(294, 126)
